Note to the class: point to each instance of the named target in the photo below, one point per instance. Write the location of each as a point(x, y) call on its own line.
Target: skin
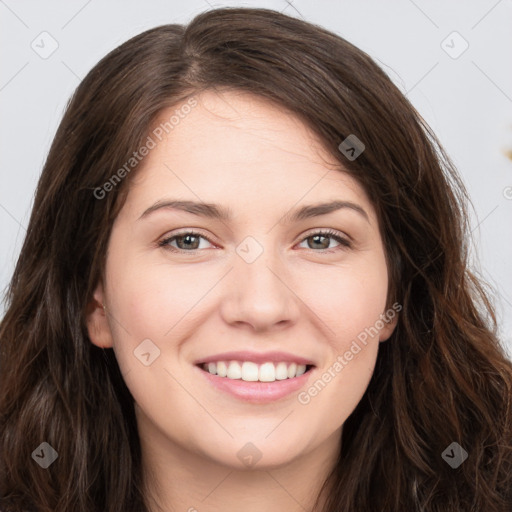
point(248, 155)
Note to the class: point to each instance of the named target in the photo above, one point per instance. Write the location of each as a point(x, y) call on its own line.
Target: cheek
point(352, 309)
point(348, 298)
point(155, 301)
point(351, 302)
point(338, 388)
point(150, 296)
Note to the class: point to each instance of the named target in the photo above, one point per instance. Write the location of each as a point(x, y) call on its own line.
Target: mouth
point(256, 383)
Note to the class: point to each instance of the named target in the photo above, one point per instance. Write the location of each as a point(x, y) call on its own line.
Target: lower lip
point(257, 392)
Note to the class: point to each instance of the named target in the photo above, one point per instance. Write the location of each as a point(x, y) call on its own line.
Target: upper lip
point(256, 357)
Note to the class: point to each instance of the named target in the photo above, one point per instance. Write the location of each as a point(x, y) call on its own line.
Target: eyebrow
point(213, 211)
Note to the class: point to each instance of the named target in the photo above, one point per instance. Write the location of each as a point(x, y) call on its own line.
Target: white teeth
point(267, 372)
point(234, 370)
point(252, 372)
point(292, 370)
point(281, 371)
point(249, 371)
point(222, 369)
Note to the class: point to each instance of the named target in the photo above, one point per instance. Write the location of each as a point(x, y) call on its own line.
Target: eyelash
point(344, 243)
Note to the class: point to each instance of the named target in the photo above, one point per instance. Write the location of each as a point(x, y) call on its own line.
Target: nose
point(258, 295)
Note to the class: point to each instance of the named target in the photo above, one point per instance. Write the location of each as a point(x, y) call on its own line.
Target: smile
point(246, 380)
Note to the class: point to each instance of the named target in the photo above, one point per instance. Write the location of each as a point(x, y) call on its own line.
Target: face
point(185, 287)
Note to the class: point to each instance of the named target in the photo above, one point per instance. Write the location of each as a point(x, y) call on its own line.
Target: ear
point(389, 326)
point(96, 320)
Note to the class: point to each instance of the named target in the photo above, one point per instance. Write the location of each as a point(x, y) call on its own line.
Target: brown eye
point(319, 242)
point(322, 240)
point(186, 241)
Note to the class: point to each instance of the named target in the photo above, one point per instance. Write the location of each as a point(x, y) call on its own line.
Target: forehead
point(240, 145)
point(249, 126)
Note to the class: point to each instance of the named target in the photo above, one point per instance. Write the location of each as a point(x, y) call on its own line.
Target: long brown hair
point(442, 377)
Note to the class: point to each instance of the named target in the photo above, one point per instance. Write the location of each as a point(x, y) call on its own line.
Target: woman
point(244, 285)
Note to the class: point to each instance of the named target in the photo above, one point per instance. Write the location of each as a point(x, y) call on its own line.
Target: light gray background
point(467, 100)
